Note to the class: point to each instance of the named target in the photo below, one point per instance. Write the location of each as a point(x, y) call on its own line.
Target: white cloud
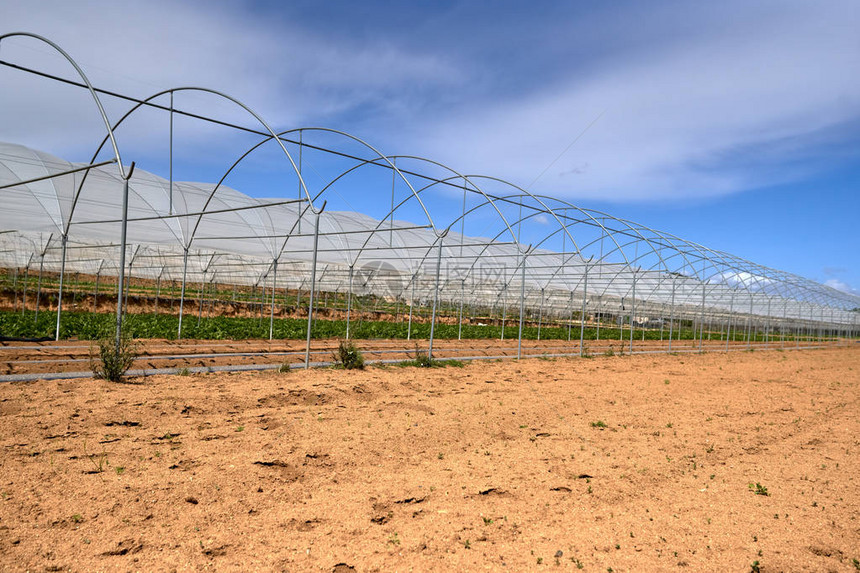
point(700, 100)
point(842, 286)
point(675, 110)
point(292, 76)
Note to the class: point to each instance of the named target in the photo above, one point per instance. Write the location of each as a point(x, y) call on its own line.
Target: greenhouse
point(429, 245)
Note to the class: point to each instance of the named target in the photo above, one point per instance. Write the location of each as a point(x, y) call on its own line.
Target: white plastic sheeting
point(233, 238)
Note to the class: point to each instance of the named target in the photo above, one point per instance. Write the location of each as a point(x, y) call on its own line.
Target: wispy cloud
point(842, 286)
point(687, 115)
point(700, 99)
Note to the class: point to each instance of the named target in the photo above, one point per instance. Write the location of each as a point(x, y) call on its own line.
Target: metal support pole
point(15, 289)
point(39, 285)
point(632, 311)
point(522, 308)
point(96, 290)
point(570, 320)
point(122, 247)
point(313, 288)
point(460, 319)
point(274, 290)
point(435, 300)
point(26, 283)
point(702, 315)
point(540, 313)
point(411, 306)
point(729, 327)
point(349, 301)
point(171, 155)
point(200, 296)
point(182, 293)
point(582, 316)
point(60, 294)
point(158, 287)
point(767, 324)
point(672, 315)
point(504, 299)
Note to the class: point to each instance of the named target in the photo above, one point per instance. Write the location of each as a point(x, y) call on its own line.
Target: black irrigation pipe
point(301, 365)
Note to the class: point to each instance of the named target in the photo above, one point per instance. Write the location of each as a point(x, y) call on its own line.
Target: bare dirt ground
point(634, 463)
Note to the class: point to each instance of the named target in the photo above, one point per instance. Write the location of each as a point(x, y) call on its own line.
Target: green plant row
point(93, 326)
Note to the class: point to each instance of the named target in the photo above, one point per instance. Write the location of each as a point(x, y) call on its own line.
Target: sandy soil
point(635, 463)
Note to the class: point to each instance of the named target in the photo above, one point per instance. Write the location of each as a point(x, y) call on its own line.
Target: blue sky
point(734, 124)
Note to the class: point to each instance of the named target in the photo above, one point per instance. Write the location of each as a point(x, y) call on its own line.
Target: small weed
point(113, 361)
point(579, 564)
point(856, 564)
point(598, 424)
point(394, 539)
point(184, 372)
point(758, 489)
point(669, 425)
point(99, 462)
point(440, 456)
point(487, 520)
point(539, 560)
point(666, 381)
point(348, 356)
point(609, 352)
point(119, 470)
point(467, 545)
point(240, 428)
point(755, 567)
point(77, 518)
point(284, 368)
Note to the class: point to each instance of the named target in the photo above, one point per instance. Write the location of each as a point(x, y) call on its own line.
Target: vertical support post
point(411, 306)
point(26, 283)
point(15, 289)
point(540, 313)
point(582, 315)
point(767, 324)
point(672, 315)
point(122, 247)
point(460, 319)
point(182, 293)
point(504, 299)
point(313, 288)
point(702, 315)
point(96, 290)
point(349, 300)
point(729, 326)
point(200, 295)
point(158, 287)
point(39, 284)
point(274, 290)
point(170, 209)
point(570, 320)
point(60, 294)
point(522, 307)
point(662, 319)
point(435, 300)
point(632, 311)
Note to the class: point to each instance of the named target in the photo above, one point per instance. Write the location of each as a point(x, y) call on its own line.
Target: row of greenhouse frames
point(429, 244)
